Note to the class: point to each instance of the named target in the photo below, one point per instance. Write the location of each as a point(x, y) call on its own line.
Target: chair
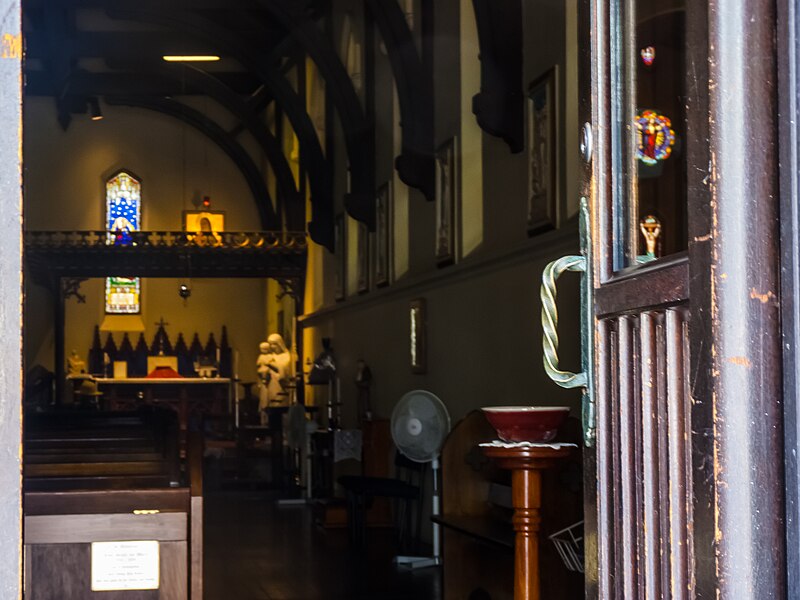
point(405, 489)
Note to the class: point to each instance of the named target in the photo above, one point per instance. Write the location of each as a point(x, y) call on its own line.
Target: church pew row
point(100, 477)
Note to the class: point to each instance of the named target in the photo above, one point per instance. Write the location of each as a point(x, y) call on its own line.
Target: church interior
point(257, 232)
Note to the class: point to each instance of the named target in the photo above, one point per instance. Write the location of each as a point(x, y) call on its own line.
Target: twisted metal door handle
point(552, 272)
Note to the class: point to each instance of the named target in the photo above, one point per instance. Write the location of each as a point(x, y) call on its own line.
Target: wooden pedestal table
point(526, 462)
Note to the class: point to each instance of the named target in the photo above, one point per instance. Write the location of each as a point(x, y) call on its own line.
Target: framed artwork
point(446, 202)
point(363, 259)
point(542, 119)
point(204, 221)
point(340, 255)
point(383, 235)
point(418, 336)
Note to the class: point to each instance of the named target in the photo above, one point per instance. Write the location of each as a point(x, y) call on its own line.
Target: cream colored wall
point(483, 333)
point(64, 189)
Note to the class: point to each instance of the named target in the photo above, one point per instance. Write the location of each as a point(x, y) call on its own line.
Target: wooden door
point(682, 387)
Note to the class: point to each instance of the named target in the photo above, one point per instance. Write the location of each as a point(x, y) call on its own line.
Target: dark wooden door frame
point(740, 299)
point(789, 140)
point(11, 300)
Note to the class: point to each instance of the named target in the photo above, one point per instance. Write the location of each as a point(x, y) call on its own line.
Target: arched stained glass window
point(123, 215)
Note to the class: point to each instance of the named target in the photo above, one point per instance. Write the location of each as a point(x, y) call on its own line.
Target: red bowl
point(526, 423)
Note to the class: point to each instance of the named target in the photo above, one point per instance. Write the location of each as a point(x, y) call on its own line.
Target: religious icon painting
point(206, 225)
point(340, 255)
point(362, 266)
point(446, 202)
point(542, 158)
point(383, 235)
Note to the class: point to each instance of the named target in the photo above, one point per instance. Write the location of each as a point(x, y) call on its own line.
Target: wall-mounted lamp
point(94, 109)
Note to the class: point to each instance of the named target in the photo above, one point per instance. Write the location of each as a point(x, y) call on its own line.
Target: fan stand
point(419, 562)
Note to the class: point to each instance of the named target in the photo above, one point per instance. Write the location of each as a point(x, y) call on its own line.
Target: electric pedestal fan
point(420, 423)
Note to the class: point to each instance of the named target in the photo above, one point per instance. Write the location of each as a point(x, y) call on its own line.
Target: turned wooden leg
point(526, 465)
point(526, 491)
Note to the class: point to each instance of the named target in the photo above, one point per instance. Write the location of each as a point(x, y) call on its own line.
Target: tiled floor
point(256, 550)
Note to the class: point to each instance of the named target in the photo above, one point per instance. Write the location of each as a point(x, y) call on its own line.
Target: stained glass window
point(122, 295)
point(123, 215)
point(654, 137)
point(123, 207)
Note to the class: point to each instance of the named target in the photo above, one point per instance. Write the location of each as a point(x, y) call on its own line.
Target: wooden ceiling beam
point(39, 83)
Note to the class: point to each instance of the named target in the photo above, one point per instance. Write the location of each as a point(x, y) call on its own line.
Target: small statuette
point(650, 227)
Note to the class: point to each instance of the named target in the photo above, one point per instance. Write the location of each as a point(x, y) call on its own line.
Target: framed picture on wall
point(204, 221)
point(340, 255)
point(363, 258)
point(383, 235)
point(418, 336)
point(446, 202)
point(542, 119)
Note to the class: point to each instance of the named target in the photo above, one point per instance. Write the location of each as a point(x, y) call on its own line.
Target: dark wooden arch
point(360, 201)
point(499, 107)
point(416, 164)
point(209, 128)
point(320, 228)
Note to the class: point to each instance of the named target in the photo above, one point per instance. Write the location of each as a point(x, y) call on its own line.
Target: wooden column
point(526, 465)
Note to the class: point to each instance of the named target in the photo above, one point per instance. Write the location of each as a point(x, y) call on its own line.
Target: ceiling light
point(190, 57)
point(94, 109)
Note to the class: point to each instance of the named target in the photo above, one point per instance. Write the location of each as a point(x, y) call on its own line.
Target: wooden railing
point(264, 240)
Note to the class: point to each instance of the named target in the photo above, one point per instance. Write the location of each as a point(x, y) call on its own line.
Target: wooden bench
point(98, 477)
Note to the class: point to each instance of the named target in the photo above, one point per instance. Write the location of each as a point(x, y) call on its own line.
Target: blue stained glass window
point(123, 215)
point(123, 207)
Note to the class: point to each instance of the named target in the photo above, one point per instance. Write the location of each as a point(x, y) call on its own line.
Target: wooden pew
point(110, 478)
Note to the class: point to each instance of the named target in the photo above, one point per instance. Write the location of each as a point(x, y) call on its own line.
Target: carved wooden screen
point(643, 454)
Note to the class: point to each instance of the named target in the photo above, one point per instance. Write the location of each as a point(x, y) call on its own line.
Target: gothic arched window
point(123, 216)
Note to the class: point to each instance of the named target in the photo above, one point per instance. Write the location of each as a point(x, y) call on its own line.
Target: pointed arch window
point(123, 216)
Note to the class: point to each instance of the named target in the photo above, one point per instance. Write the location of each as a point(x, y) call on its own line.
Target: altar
point(195, 399)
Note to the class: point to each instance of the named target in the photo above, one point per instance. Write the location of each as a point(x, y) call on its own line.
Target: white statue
point(75, 364)
point(274, 367)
